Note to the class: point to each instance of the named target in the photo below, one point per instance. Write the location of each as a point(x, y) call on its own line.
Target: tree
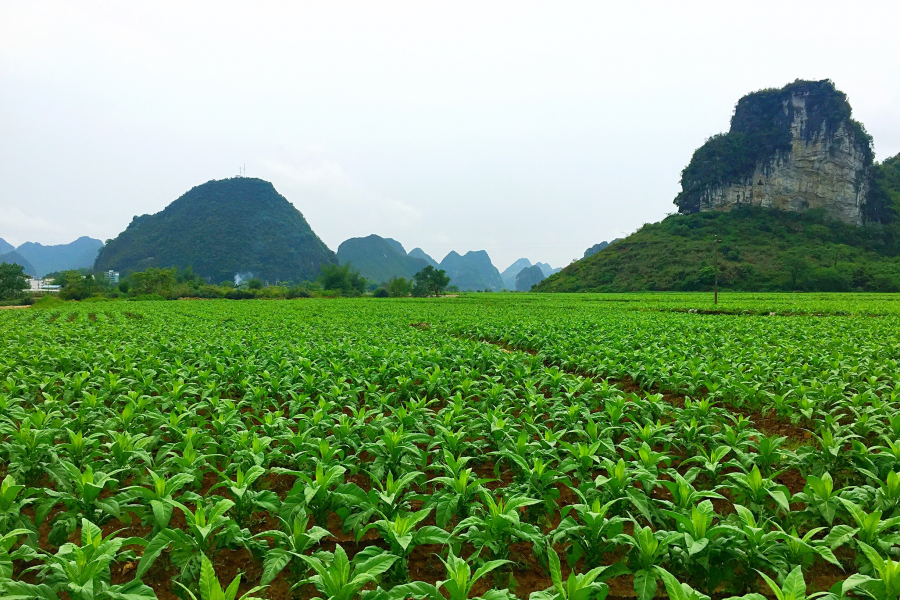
point(13, 281)
point(75, 285)
point(153, 281)
point(399, 287)
point(341, 278)
point(430, 281)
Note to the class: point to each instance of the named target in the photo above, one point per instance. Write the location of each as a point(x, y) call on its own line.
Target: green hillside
point(221, 229)
point(759, 250)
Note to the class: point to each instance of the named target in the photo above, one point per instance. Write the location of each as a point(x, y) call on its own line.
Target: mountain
point(14, 258)
point(598, 247)
point(379, 259)
point(795, 149)
point(419, 253)
point(223, 228)
point(547, 270)
point(79, 254)
point(5, 246)
point(396, 245)
point(509, 275)
point(472, 271)
point(791, 192)
point(529, 277)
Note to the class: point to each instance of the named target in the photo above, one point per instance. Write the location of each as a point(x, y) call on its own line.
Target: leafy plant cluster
point(349, 455)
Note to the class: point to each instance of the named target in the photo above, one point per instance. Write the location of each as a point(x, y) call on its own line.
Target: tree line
point(170, 283)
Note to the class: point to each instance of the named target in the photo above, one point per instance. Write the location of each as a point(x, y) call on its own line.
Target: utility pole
point(716, 262)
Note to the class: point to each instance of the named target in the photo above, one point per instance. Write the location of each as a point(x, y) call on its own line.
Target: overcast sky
point(524, 129)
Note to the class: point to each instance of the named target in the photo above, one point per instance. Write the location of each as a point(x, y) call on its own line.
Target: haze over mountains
point(40, 260)
point(381, 259)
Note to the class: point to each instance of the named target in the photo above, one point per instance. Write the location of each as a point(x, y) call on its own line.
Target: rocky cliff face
point(793, 149)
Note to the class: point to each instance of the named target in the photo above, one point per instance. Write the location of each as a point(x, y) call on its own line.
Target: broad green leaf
point(645, 584)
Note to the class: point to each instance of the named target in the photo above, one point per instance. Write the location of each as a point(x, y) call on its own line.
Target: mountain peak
point(419, 253)
point(220, 228)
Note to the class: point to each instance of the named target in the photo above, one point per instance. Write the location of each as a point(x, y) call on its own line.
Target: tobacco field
point(569, 447)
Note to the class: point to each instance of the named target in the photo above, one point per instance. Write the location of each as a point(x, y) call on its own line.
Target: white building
point(41, 286)
point(111, 277)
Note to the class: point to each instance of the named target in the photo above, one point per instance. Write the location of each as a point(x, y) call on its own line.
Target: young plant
point(83, 573)
point(592, 535)
point(576, 587)
point(757, 546)
point(793, 588)
point(211, 589)
point(79, 492)
point(11, 505)
point(759, 492)
point(204, 530)
point(248, 500)
point(389, 499)
point(457, 494)
point(291, 543)
point(159, 497)
point(704, 551)
point(336, 578)
point(648, 550)
point(886, 584)
point(677, 590)
point(497, 526)
point(322, 494)
point(402, 537)
point(871, 529)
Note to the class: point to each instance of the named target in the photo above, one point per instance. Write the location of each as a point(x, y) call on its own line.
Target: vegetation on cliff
point(223, 229)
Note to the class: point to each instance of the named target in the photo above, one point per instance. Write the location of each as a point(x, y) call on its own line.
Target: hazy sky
point(524, 129)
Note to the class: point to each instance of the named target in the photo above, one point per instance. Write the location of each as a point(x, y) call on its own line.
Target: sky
point(526, 129)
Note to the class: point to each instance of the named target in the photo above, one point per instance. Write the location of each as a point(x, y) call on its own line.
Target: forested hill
point(222, 229)
point(759, 250)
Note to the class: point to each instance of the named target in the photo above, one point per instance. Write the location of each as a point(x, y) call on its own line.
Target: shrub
point(48, 301)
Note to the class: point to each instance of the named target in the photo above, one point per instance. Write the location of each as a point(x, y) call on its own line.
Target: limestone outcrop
point(793, 149)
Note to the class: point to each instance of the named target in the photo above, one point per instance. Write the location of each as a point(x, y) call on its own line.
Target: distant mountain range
point(40, 260)
point(380, 259)
point(509, 275)
point(14, 258)
point(472, 271)
point(511, 272)
point(223, 229)
point(528, 277)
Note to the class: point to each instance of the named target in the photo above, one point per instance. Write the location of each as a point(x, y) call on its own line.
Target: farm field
point(648, 445)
